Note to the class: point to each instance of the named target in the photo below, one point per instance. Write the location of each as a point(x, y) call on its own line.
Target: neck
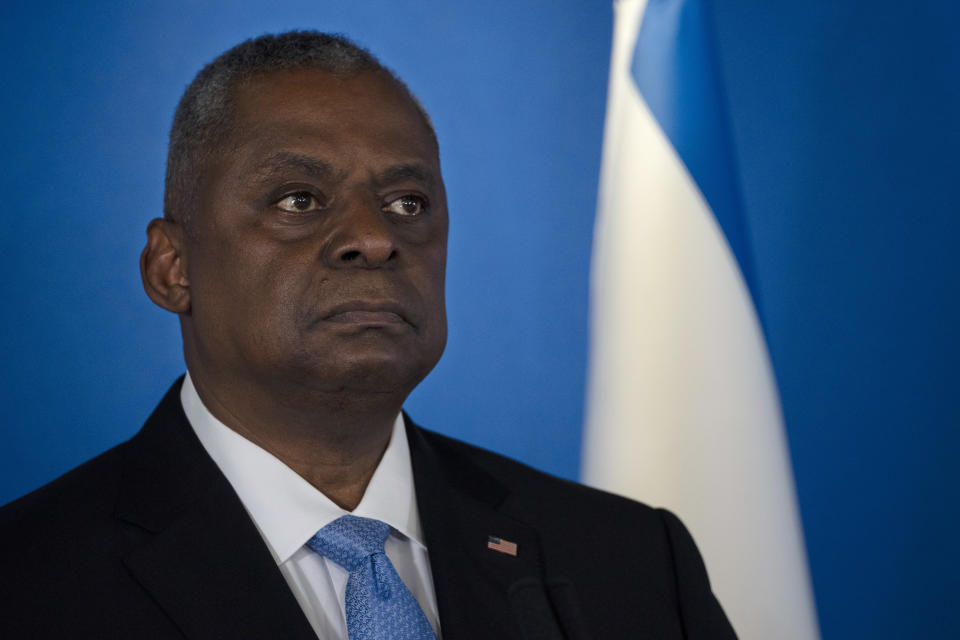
point(334, 440)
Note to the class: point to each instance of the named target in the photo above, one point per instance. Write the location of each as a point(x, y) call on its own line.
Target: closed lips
point(367, 312)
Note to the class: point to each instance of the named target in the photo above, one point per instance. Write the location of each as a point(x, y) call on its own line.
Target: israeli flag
point(683, 410)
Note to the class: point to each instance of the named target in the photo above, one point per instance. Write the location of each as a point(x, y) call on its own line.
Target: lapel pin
point(502, 546)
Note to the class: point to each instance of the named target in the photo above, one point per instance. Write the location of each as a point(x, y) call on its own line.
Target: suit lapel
point(200, 556)
point(481, 593)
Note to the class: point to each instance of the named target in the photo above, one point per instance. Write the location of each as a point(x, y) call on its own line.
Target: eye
point(299, 202)
point(406, 205)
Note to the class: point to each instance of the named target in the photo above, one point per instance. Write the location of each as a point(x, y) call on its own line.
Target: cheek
point(428, 269)
point(433, 290)
point(281, 287)
point(249, 285)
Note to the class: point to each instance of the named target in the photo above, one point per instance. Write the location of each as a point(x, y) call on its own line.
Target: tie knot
point(349, 540)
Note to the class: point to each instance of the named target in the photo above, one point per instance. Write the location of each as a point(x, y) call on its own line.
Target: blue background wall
point(845, 122)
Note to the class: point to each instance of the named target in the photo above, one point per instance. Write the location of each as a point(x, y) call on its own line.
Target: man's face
point(318, 252)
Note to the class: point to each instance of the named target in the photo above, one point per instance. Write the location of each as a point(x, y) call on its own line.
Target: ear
point(163, 266)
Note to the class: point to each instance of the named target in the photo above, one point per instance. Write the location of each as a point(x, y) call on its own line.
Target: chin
point(386, 377)
point(364, 375)
point(373, 362)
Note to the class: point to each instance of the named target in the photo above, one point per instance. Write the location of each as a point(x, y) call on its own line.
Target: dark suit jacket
point(149, 540)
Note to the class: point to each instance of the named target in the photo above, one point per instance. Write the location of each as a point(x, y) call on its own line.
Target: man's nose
point(364, 239)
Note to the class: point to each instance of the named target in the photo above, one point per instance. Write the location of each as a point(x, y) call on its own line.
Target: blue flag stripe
point(675, 71)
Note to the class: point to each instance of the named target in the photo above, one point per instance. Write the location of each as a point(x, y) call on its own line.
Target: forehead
point(347, 114)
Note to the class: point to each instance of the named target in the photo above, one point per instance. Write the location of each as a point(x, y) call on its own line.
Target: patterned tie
point(378, 604)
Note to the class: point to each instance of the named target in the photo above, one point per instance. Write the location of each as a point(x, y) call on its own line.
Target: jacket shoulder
point(592, 537)
point(85, 494)
point(526, 482)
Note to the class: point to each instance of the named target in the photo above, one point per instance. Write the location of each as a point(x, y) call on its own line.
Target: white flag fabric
point(682, 407)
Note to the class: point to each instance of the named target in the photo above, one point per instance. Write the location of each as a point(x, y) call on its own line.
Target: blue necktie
point(378, 604)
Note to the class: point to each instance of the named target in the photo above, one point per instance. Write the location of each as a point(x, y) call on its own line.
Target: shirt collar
point(287, 509)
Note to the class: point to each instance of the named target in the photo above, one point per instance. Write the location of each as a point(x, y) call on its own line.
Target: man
point(303, 248)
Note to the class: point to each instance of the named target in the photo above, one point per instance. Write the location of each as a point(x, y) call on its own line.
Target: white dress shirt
point(288, 511)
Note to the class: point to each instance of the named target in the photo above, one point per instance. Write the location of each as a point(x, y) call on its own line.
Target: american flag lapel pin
point(502, 546)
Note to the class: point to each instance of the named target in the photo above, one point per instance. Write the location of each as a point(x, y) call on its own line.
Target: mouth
point(366, 312)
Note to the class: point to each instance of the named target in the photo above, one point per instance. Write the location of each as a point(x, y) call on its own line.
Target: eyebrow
point(402, 172)
point(286, 160)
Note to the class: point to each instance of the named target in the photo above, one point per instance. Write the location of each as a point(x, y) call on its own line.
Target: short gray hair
point(203, 119)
